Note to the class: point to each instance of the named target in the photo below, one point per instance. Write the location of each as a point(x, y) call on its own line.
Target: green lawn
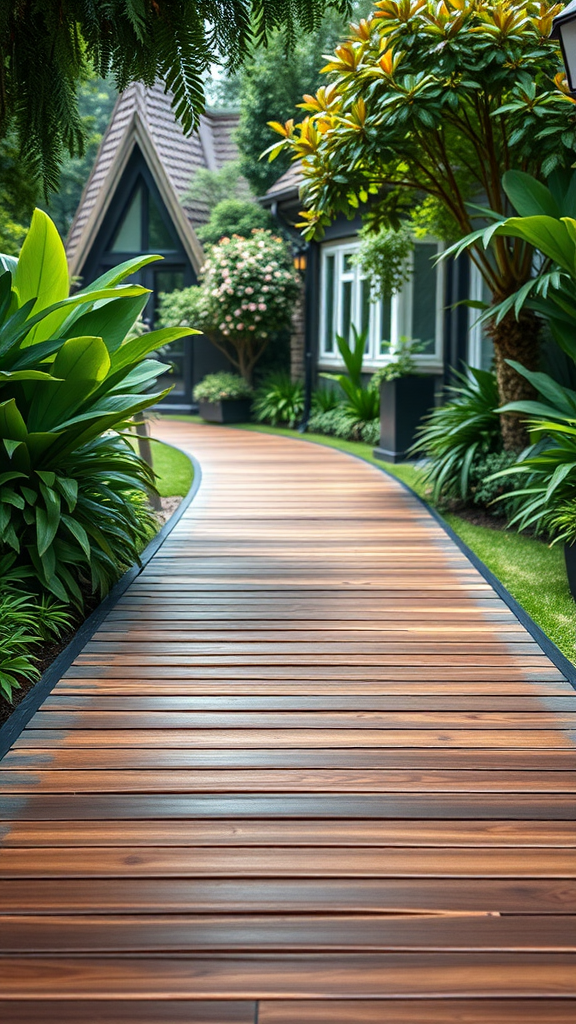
point(532, 571)
point(174, 469)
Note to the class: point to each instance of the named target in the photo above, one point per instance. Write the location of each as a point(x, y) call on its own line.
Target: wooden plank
point(504, 834)
point(421, 704)
point(290, 895)
point(178, 933)
point(290, 781)
point(535, 767)
point(495, 739)
point(94, 718)
point(137, 1011)
point(471, 806)
point(381, 976)
point(284, 862)
point(420, 1011)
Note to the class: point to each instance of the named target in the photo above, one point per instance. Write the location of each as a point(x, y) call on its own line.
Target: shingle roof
point(180, 155)
point(287, 185)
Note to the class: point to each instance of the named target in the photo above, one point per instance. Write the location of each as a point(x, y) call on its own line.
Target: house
point(135, 201)
point(337, 295)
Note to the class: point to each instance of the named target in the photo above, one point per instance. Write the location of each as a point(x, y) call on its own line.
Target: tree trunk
point(518, 340)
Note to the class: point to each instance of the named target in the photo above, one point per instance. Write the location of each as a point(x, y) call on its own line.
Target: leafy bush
point(219, 387)
point(25, 622)
point(370, 432)
point(234, 217)
point(279, 399)
point(324, 400)
point(73, 509)
point(546, 503)
point(247, 292)
point(363, 403)
point(497, 495)
point(459, 433)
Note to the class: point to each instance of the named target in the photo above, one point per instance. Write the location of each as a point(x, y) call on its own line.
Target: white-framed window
point(416, 312)
point(480, 347)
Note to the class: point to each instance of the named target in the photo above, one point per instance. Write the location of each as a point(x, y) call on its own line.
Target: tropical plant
point(547, 222)
point(427, 104)
point(221, 387)
point(69, 384)
point(25, 623)
point(325, 400)
point(546, 497)
point(279, 399)
point(363, 403)
point(47, 48)
point(455, 435)
point(247, 294)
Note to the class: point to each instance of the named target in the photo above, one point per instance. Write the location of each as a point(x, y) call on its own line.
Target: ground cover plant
point(247, 291)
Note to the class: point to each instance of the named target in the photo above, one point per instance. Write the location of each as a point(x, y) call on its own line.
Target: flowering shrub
point(246, 294)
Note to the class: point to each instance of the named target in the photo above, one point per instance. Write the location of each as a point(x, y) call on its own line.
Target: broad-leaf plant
point(73, 508)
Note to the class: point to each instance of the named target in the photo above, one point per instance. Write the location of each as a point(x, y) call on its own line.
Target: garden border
point(24, 711)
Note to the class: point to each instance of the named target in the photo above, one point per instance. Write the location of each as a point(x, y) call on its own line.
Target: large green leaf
point(42, 271)
point(80, 366)
point(138, 348)
point(110, 320)
point(121, 272)
point(12, 424)
point(545, 233)
point(528, 196)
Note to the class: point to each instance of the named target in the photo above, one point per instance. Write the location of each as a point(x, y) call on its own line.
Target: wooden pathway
point(310, 770)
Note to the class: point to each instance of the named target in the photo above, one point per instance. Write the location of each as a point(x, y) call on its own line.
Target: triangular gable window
point(145, 226)
point(128, 237)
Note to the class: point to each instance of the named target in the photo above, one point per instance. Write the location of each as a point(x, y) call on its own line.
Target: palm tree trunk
point(518, 340)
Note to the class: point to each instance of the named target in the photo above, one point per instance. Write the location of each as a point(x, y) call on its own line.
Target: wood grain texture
point(309, 770)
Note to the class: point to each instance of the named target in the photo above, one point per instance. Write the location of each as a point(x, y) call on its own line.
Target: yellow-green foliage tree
point(427, 104)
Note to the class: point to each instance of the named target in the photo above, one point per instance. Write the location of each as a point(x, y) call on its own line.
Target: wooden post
point(145, 452)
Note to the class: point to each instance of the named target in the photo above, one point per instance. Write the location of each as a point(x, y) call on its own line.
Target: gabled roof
point(287, 186)
point(143, 117)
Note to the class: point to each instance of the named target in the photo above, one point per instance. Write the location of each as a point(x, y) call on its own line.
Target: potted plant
point(405, 397)
point(223, 398)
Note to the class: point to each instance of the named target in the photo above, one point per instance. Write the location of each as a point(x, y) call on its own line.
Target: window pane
point(385, 325)
point(329, 304)
point(424, 295)
point(128, 237)
point(159, 235)
point(346, 308)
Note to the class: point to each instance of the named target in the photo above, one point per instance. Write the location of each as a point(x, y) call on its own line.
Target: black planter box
point(570, 559)
point(403, 403)
point(231, 410)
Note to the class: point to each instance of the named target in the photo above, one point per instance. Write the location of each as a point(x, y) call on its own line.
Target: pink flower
point(251, 327)
point(267, 277)
point(249, 291)
point(239, 327)
point(262, 306)
point(252, 307)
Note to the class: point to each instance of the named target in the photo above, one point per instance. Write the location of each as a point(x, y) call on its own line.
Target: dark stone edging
point(24, 711)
